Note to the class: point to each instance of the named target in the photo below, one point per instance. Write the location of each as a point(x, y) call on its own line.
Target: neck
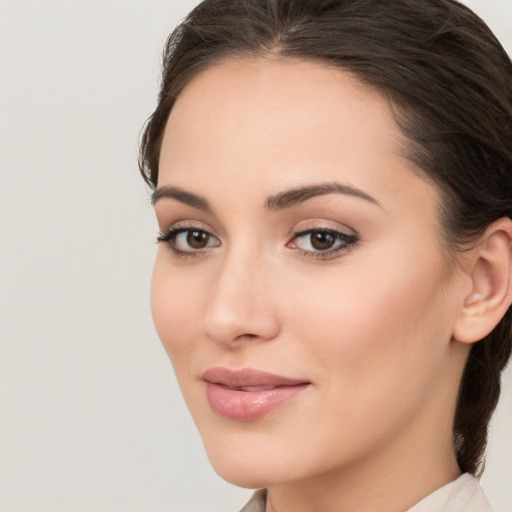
point(408, 466)
point(391, 481)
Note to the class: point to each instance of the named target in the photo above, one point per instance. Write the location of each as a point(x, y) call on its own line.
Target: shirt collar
point(462, 495)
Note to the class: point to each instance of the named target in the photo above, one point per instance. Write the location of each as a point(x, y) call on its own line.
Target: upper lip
point(246, 377)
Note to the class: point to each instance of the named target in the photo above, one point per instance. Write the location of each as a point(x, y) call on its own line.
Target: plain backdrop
point(91, 418)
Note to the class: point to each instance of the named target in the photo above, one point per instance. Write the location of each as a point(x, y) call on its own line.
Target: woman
point(333, 185)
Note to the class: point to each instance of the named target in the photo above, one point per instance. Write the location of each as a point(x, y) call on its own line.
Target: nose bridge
point(240, 304)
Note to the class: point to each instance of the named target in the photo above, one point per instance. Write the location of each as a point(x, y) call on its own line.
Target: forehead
point(282, 95)
point(277, 122)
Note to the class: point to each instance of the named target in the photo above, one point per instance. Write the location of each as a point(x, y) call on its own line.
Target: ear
point(489, 279)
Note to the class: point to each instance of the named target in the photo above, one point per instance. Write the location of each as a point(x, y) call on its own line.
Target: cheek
point(175, 306)
point(372, 326)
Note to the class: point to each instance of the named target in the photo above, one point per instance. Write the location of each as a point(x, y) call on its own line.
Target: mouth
point(248, 394)
point(247, 388)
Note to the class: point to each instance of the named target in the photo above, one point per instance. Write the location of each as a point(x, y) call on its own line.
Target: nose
point(241, 305)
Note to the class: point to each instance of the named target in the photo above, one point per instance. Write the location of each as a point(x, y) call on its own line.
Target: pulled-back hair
point(449, 83)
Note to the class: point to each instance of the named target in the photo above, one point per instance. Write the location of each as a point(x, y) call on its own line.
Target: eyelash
point(168, 237)
point(346, 242)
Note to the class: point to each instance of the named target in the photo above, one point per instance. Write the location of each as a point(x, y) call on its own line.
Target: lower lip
point(249, 405)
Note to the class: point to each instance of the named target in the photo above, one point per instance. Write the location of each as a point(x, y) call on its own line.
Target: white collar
point(461, 495)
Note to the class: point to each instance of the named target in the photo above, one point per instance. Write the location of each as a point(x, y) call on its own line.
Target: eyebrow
point(298, 195)
point(280, 201)
point(170, 192)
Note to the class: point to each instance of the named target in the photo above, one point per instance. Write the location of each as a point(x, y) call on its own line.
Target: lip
point(248, 394)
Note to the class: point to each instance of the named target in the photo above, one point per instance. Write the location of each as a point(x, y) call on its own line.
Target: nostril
point(248, 335)
point(234, 329)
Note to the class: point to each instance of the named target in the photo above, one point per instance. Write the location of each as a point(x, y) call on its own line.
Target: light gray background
point(90, 415)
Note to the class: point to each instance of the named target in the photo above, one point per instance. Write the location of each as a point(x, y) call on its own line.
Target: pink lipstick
point(248, 394)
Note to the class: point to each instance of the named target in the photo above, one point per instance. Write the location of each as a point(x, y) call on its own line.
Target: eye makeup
point(322, 243)
point(312, 241)
point(188, 241)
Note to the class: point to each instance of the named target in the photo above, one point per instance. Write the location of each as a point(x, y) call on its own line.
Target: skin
point(370, 326)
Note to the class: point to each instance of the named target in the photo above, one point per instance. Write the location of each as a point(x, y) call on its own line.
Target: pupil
point(197, 239)
point(322, 240)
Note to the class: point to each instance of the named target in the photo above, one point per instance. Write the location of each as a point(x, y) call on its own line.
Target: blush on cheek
point(372, 321)
point(163, 309)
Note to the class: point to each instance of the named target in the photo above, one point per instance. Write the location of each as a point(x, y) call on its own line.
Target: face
point(300, 288)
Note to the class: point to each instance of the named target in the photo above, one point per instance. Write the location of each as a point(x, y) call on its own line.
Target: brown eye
point(322, 240)
point(323, 243)
point(188, 241)
point(197, 239)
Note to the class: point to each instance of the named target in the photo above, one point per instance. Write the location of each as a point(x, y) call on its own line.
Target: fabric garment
point(462, 495)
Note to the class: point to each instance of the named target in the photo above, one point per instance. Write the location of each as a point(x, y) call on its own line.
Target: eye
point(188, 241)
point(322, 242)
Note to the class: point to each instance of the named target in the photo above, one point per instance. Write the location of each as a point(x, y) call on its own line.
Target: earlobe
point(490, 275)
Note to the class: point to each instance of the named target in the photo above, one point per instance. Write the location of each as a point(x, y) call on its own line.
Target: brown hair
point(450, 84)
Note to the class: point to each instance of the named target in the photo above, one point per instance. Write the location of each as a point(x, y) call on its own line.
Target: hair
point(449, 82)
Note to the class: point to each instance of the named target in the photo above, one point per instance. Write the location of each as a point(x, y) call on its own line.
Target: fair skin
point(347, 289)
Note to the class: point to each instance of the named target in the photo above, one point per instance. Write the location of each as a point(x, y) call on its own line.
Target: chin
point(244, 477)
point(252, 466)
